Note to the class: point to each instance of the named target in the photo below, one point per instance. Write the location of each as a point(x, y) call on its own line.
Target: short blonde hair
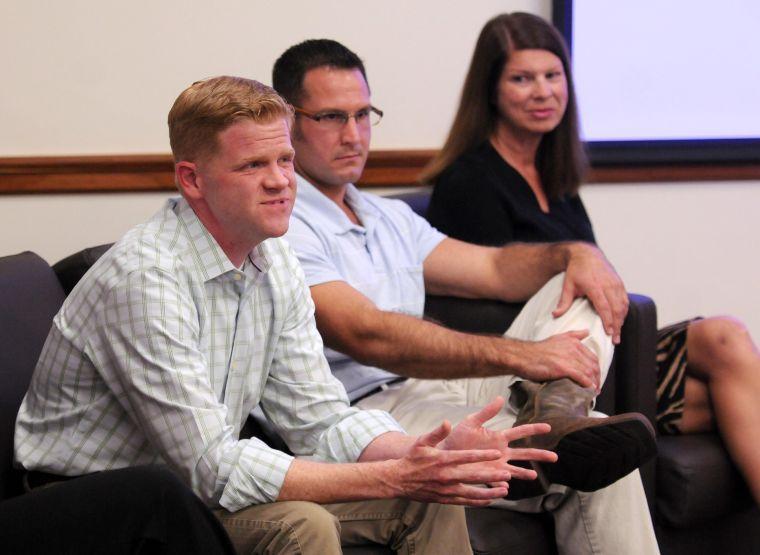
point(206, 108)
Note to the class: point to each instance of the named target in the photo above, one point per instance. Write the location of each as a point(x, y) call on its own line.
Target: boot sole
point(597, 456)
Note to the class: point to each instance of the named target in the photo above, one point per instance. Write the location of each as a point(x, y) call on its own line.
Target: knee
point(311, 523)
point(435, 528)
point(310, 513)
point(450, 517)
point(719, 343)
point(283, 527)
point(553, 287)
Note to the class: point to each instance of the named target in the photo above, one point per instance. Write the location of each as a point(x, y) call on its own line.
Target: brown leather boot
point(593, 452)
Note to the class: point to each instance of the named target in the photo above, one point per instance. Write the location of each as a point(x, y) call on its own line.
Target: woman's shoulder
point(475, 165)
point(483, 169)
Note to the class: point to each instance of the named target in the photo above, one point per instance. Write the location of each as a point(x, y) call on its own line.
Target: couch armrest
point(71, 269)
point(635, 359)
point(471, 315)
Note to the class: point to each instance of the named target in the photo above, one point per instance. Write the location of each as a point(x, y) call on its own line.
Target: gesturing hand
point(450, 466)
point(589, 274)
point(435, 475)
point(471, 434)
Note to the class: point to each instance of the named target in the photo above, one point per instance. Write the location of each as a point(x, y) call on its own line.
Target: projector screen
point(666, 81)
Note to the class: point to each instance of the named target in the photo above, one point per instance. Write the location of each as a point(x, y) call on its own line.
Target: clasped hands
point(451, 465)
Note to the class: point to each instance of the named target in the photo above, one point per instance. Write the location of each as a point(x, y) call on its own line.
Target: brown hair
point(560, 160)
point(206, 108)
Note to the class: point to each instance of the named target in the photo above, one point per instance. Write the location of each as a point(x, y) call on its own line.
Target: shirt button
point(237, 277)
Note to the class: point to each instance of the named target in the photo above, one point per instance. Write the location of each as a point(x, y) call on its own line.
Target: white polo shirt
point(382, 259)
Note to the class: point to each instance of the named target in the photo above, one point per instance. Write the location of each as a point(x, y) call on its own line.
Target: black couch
point(30, 295)
point(699, 502)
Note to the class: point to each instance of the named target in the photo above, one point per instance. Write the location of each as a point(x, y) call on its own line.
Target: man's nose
point(350, 131)
point(276, 177)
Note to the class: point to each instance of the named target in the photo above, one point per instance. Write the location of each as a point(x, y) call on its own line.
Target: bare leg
point(722, 356)
point(698, 414)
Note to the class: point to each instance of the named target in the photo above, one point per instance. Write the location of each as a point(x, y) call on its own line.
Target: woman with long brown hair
point(510, 170)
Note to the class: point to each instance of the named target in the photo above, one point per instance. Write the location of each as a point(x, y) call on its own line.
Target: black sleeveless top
point(481, 199)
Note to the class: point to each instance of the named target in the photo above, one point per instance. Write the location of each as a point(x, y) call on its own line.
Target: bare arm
point(511, 273)
point(516, 271)
point(349, 322)
point(427, 474)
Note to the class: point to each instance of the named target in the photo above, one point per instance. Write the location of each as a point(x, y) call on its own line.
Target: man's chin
point(350, 176)
point(277, 228)
point(330, 179)
point(274, 233)
point(282, 229)
point(349, 169)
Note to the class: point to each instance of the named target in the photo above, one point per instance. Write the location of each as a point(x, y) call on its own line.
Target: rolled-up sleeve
point(254, 474)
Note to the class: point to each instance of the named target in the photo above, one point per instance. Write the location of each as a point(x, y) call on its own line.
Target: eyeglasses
point(336, 119)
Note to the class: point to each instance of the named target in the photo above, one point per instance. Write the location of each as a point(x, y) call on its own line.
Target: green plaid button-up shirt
point(164, 348)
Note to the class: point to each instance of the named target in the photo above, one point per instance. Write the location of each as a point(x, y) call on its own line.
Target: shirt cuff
point(346, 440)
point(256, 478)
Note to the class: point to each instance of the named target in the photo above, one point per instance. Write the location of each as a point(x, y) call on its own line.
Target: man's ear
point(186, 174)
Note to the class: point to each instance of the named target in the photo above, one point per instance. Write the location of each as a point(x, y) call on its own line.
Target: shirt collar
point(331, 216)
point(205, 252)
point(260, 257)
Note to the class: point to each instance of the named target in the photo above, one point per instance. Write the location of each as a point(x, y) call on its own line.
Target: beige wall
point(88, 77)
point(688, 246)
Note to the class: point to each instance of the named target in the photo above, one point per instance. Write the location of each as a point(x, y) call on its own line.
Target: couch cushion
point(696, 481)
point(417, 199)
point(30, 295)
point(71, 269)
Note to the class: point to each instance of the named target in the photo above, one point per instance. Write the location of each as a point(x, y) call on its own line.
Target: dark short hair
point(290, 68)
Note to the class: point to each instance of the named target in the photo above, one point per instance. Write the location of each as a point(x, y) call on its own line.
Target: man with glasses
point(369, 262)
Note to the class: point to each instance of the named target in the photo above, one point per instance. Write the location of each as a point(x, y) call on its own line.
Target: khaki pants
point(301, 527)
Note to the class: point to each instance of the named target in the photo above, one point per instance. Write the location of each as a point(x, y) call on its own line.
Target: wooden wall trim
point(80, 174)
point(385, 168)
point(672, 173)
